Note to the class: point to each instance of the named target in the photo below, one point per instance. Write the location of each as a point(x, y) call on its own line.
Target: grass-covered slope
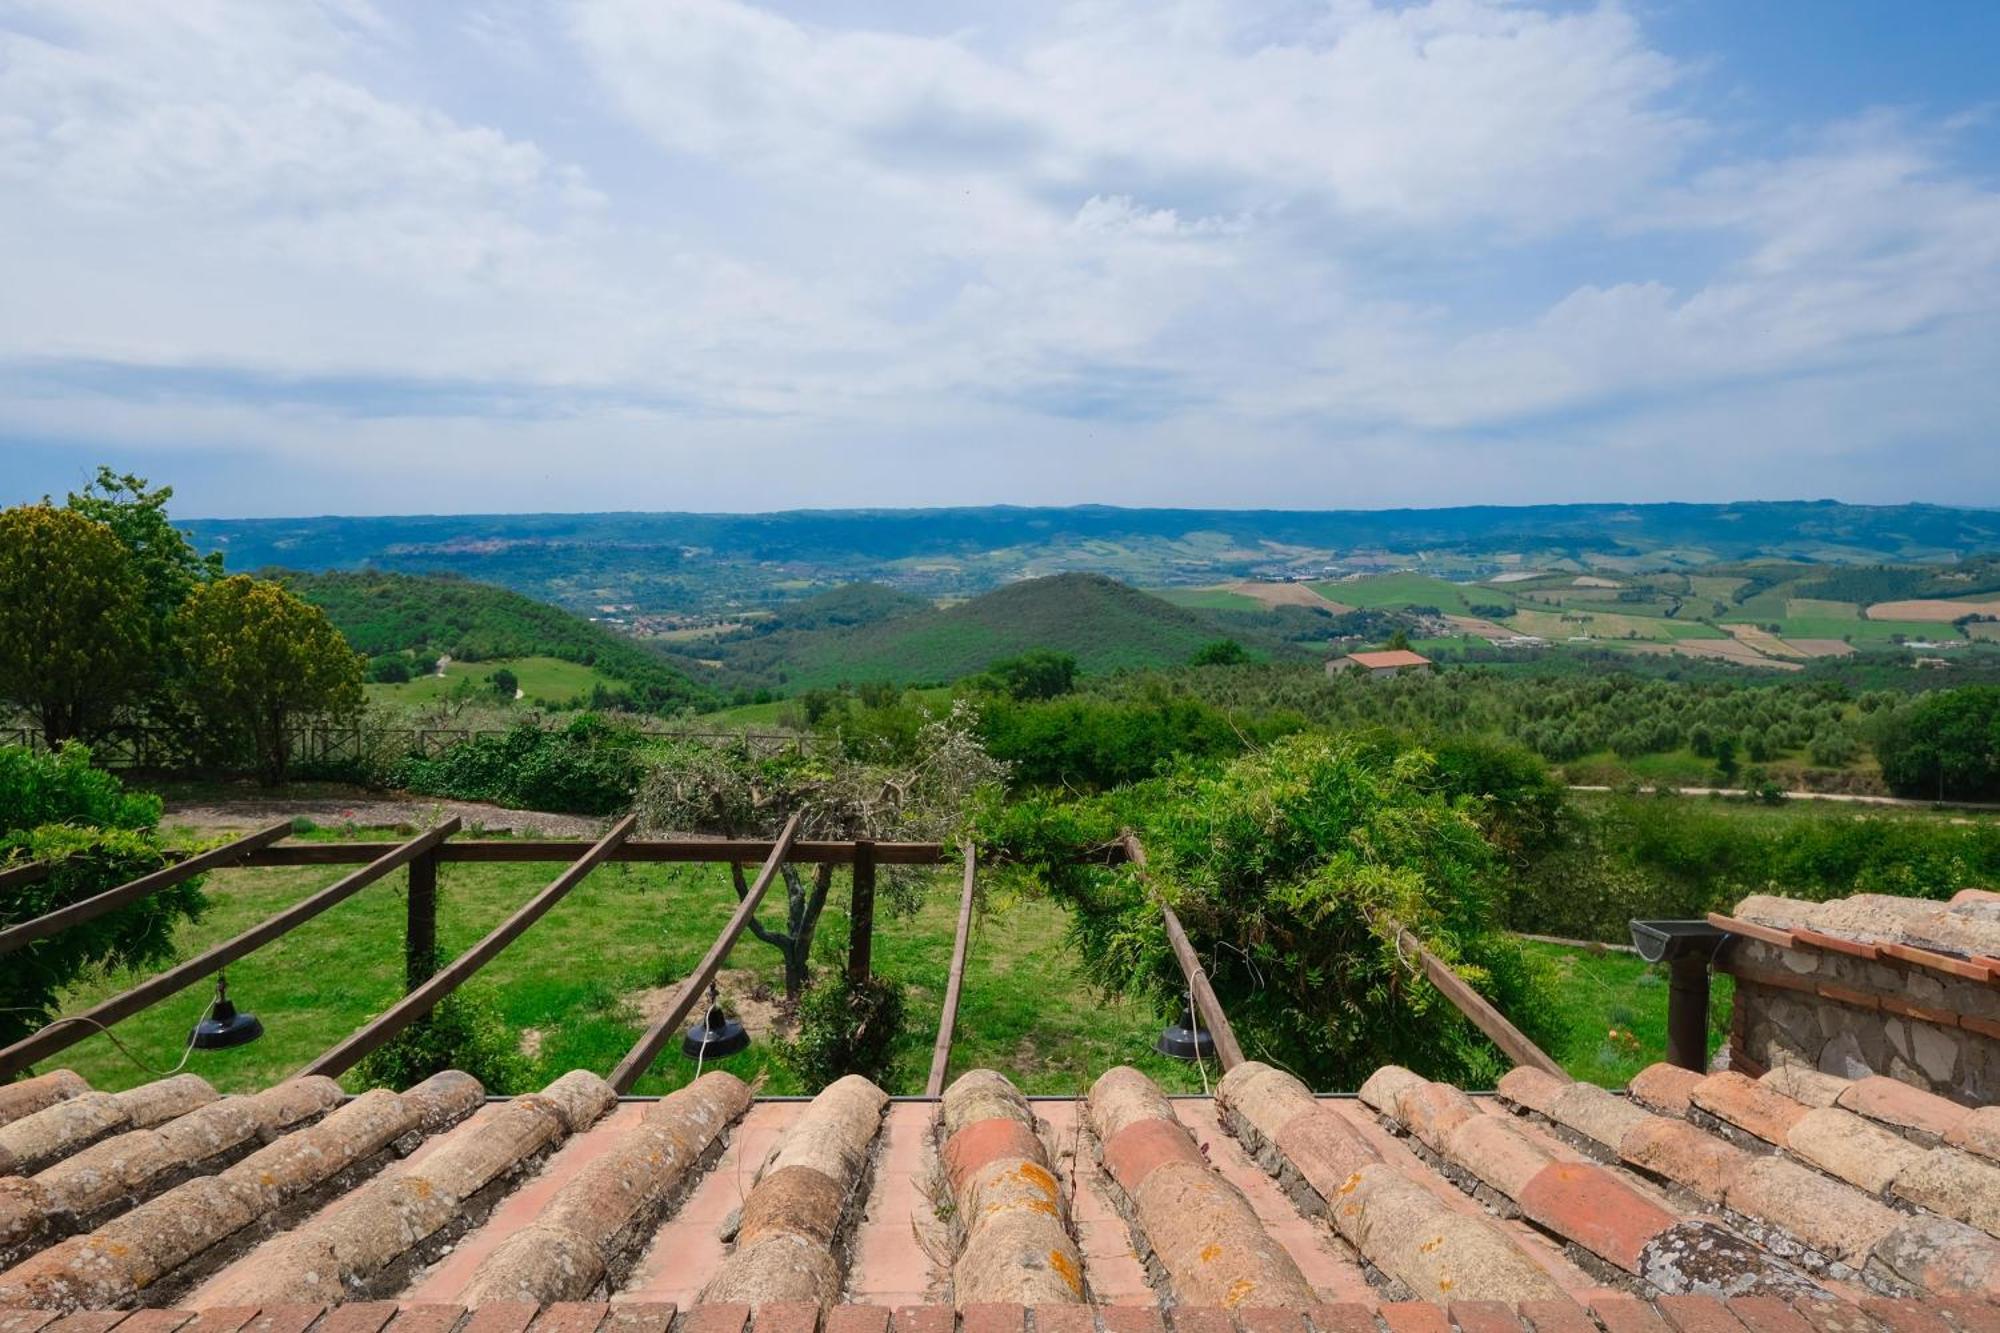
point(427, 614)
point(1104, 624)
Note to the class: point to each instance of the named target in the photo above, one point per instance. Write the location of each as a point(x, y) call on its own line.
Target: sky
point(501, 255)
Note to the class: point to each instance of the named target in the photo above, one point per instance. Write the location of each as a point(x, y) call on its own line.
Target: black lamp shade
point(224, 1027)
point(715, 1036)
point(1184, 1041)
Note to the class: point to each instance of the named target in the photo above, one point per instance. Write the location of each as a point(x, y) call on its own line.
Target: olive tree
point(922, 793)
point(74, 647)
point(257, 660)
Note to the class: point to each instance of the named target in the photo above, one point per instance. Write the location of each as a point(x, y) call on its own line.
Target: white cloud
point(1313, 237)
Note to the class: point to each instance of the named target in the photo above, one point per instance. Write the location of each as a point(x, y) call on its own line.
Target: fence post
point(861, 920)
point(420, 936)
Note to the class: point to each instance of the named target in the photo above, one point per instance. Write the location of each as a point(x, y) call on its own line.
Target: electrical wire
point(186, 1054)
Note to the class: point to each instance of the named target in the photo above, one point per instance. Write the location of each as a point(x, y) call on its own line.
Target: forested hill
point(428, 615)
point(1102, 623)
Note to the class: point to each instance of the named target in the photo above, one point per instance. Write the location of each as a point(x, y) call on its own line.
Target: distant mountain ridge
point(687, 560)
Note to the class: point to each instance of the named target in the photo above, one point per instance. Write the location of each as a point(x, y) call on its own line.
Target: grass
point(1876, 632)
point(573, 977)
point(543, 680)
point(1612, 1011)
point(1391, 590)
point(1208, 599)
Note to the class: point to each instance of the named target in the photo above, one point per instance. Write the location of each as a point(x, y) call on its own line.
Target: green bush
point(1944, 744)
point(1285, 867)
point(589, 767)
point(465, 1032)
point(95, 836)
point(1621, 857)
point(845, 1029)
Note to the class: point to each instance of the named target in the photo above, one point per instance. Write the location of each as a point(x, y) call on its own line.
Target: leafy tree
point(1041, 674)
point(257, 661)
point(1398, 642)
point(55, 807)
point(505, 684)
point(1944, 744)
point(1727, 765)
point(73, 621)
point(1223, 652)
point(167, 562)
point(923, 794)
point(1286, 867)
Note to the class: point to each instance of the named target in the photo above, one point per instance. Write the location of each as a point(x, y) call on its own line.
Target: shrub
point(465, 1032)
point(589, 767)
point(1285, 867)
point(845, 1029)
point(96, 836)
point(1944, 744)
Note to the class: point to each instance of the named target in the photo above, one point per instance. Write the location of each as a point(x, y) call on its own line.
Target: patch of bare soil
point(745, 997)
point(1930, 609)
point(408, 812)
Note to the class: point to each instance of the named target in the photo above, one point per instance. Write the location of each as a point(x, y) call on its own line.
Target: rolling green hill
point(429, 615)
point(1104, 624)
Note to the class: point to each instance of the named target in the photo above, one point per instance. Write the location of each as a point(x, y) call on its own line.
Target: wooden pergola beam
point(1513, 1042)
point(644, 1051)
point(345, 1054)
point(89, 909)
point(954, 981)
point(719, 851)
point(67, 1031)
point(1206, 1006)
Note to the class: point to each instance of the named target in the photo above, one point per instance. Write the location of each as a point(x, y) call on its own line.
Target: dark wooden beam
point(720, 851)
point(861, 915)
point(1207, 1007)
point(344, 1055)
point(640, 1058)
point(1513, 1042)
point(27, 932)
point(65, 1032)
point(420, 923)
point(954, 980)
point(29, 872)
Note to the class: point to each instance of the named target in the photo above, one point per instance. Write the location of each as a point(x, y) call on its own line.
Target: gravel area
point(414, 812)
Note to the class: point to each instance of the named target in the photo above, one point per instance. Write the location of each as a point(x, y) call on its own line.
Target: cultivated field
point(1932, 610)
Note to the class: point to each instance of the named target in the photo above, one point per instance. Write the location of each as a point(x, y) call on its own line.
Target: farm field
point(1393, 590)
point(543, 680)
point(1557, 626)
point(620, 937)
point(1934, 610)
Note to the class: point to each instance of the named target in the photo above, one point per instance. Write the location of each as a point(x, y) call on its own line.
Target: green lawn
point(574, 977)
point(543, 680)
point(1390, 590)
point(1612, 1010)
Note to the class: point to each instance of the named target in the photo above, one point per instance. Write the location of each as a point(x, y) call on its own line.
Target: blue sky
point(712, 254)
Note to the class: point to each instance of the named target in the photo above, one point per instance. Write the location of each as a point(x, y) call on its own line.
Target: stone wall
point(1853, 1016)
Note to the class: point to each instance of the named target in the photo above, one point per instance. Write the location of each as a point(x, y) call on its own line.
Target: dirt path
point(378, 812)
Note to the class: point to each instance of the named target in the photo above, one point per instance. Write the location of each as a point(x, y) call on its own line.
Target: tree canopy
point(258, 659)
point(74, 629)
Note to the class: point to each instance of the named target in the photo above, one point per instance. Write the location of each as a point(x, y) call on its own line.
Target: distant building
point(1391, 663)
